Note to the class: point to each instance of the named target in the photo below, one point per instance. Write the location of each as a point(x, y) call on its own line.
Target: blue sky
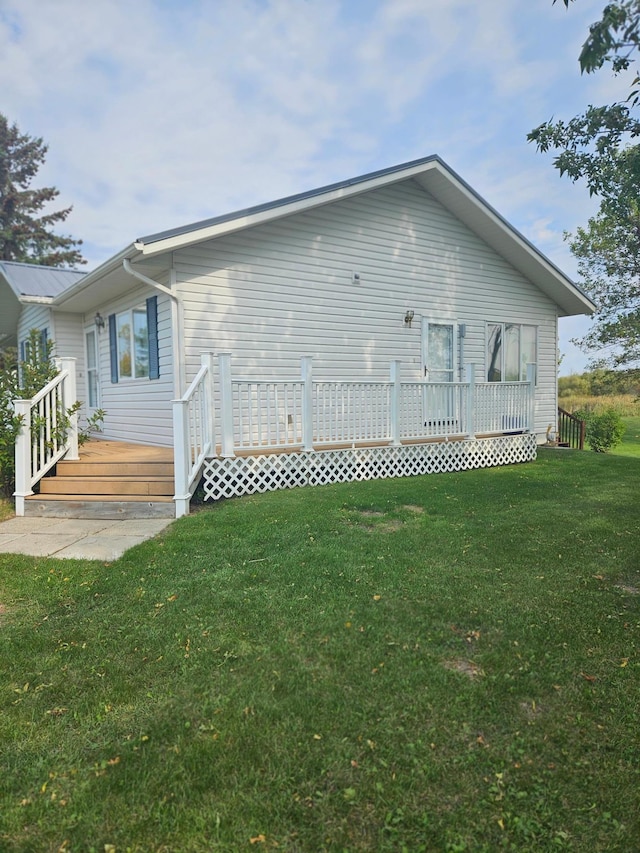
point(162, 112)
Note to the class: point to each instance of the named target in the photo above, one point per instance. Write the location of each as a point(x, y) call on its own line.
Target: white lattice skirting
point(227, 478)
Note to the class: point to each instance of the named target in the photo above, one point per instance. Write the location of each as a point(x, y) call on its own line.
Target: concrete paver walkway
point(76, 539)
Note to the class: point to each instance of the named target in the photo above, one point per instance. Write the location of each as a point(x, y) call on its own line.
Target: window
point(133, 341)
point(25, 345)
point(510, 348)
point(133, 344)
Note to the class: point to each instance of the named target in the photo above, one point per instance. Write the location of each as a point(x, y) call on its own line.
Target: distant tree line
point(600, 383)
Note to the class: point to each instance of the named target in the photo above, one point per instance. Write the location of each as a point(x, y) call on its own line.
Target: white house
point(415, 312)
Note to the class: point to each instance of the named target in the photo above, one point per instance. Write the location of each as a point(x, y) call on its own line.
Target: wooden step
point(100, 498)
point(122, 507)
point(114, 485)
point(110, 480)
point(114, 469)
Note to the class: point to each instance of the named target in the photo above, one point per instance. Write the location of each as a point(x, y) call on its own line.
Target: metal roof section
point(33, 280)
point(440, 181)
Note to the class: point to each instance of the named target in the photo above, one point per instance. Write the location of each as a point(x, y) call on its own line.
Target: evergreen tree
point(25, 230)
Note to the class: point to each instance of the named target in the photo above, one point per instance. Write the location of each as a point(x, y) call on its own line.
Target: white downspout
point(176, 323)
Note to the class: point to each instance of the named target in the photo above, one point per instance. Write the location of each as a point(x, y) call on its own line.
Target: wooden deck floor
point(101, 450)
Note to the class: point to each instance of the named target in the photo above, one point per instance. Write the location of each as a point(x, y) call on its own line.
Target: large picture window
point(510, 348)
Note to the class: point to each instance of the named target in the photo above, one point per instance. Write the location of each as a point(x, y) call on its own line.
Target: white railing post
point(181, 454)
point(23, 455)
point(69, 397)
point(207, 360)
point(471, 400)
point(394, 375)
point(531, 414)
point(226, 405)
point(306, 374)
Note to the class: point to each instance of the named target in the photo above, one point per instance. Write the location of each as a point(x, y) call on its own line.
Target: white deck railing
point(193, 434)
point(44, 436)
point(261, 416)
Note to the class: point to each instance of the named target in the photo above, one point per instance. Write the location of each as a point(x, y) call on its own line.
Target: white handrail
point(193, 436)
point(38, 449)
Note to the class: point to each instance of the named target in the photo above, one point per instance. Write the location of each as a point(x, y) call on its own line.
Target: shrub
point(22, 381)
point(604, 430)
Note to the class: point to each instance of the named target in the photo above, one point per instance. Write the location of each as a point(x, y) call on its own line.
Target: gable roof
point(431, 173)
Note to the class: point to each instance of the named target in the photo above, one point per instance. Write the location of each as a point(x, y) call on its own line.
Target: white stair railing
point(193, 434)
point(45, 436)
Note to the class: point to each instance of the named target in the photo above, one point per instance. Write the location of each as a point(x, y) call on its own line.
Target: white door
point(439, 404)
point(93, 378)
point(438, 351)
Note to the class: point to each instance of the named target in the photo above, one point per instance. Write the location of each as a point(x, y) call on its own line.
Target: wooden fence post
point(470, 370)
point(226, 405)
point(207, 359)
point(531, 414)
point(23, 455)
point(394, 375)
point(181, 461)
point(69, 397)
point(306, 374)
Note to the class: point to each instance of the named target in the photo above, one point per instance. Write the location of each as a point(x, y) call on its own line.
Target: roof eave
point(114, 263)
point(170, 241)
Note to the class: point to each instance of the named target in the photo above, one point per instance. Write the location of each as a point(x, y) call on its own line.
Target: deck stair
point(111, 480)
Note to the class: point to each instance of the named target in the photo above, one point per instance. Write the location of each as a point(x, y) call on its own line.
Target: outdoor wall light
point(99, 321)
point(408, 317)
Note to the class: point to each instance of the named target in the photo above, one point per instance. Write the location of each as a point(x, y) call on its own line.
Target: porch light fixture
point(408, 317)
point(99, 321)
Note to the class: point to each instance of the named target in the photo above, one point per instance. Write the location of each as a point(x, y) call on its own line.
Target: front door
point(93, 379)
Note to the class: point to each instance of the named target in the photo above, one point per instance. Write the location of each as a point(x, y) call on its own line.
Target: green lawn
point(440, 663)
point(631, 442)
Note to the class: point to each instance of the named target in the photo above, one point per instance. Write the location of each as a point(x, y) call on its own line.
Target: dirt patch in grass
point(464, 666)
point(628, 588)
point(418, 510)
point(389, 526)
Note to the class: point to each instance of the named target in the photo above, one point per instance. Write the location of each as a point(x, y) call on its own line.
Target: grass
point(631, 441)
point(440, 663)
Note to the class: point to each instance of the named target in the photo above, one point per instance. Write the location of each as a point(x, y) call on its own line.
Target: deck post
point(470, 371)
point(22, 409)
point(306, 374)
point(394, 375)
point(531, 414)
point(181, 461)
point(69, 397)
point(226, 405)
point(207, 360)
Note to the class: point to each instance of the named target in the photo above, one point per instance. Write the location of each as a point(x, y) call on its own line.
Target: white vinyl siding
point(67, 334)
point(281, 290)
point(34, 317)
point(138, 410)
